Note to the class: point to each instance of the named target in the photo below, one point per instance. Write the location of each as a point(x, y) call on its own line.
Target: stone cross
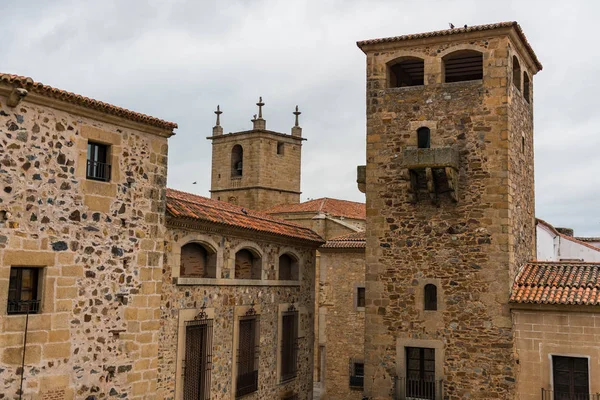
point(260, 104)
point(296, 113)
point(218, 112)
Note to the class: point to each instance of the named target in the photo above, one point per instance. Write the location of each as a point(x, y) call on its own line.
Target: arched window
point(407, 72)
point(516, 73)
point(237, 160)
point(430, 293)
point(526, 87)
point(463, 65)
point(248, 265)
point(423, 138)
point(198, 261)
point(288, 268)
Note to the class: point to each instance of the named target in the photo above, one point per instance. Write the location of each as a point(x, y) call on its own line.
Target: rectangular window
point(247, 356)
point(571, 377)
point(198, 359)
point(98, 167)
point(357, 374)
point(280, 148)
point(360, 297)
point(23, 291)
point(420, 373)
point(289, 345)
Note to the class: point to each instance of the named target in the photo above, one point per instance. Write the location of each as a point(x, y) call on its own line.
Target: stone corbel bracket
point(441, 158)
point(15, 97)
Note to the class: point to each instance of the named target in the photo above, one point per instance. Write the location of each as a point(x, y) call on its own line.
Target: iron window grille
point(357, 374)
point(23, 296)
point(197, 365)
point(98, 167)
point(420, 373)
point(247, 354)
point(289, 344)
point(360, 297)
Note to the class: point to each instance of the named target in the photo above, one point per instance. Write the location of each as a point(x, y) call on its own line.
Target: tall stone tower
point(450, 209)
point(256, 169)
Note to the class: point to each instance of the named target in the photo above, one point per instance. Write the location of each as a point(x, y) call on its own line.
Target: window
point(420, 373)
point(430, 293)
point(289, 344)
point(280, 148)
point(288, 268)
point(360, 297)
point(357, 374)
point(526, 87)
point(247, 356)
point(570, 378)
point(408, 72)
point(463, 65)
point(237, 160)
point(516, 73)
point(248, 265)
point(198, 359)
point(98, 167)
point(423, 138)
point(23, 291)
point(198, 261)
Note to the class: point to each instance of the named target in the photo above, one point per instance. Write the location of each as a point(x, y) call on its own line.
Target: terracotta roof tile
point(542, 282)
point(49, 91)
point(333, 207)
point(191, 206)
point(354, 240)
point(455, 31)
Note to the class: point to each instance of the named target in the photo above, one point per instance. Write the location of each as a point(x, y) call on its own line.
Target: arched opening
point(248, 265)
point(516, 73)
point(407, 72)
point(430, 293)
point(526, 87)
point(423, 138)
point(237, 160)
point(463, 65)
point(198, 261)
point(288, 268)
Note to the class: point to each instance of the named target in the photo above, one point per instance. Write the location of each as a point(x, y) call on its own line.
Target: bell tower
point(258, 168)
point(450, 209)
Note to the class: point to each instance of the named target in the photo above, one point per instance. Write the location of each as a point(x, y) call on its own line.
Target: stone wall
point(224, 297)
point(99, 248)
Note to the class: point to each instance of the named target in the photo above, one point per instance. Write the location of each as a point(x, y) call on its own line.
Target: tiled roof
point(72, 98)
point(455, 31)
point(354, 240)
point(567, 237)
point(333, 207)
point(587, 239)
point(191, 206)
point(557, 283)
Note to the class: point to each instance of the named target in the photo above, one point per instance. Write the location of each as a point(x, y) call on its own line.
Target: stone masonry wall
point(465, 248)
point(99, 246)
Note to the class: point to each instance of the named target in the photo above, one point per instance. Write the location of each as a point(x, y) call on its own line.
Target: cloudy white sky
point(178, 59)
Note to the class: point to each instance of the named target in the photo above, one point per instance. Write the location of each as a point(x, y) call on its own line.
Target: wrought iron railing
point(419, 389)
point(98, 171)
point(23, 307)
point(246, 383)
point(552, 395)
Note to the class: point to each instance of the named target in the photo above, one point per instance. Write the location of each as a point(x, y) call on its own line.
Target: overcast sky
point(177, 60)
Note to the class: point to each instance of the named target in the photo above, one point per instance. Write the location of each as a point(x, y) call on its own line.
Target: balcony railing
point(98, 171)
point(552, 395)
point(23, 307)
point(419, 389)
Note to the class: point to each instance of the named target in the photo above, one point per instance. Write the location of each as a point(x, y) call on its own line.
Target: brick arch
point(200, 238)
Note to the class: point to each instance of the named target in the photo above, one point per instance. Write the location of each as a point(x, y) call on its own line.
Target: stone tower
point(259, 168)
point(450, 209)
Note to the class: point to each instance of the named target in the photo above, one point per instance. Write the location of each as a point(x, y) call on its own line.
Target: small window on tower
point(237, 160)
point(424, 138)
point(463, 65)
point(526, 87)
point(516, 73)
point(280, 148)
point(407, 72)
point(430, 293)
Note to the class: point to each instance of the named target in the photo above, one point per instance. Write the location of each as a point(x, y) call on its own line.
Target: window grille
point(357, 373)
point(420, 373)
point(360, 297)
point(98, 167)
point(23, 291)
point(197, 365)
point(247, 354)
point(289, 344)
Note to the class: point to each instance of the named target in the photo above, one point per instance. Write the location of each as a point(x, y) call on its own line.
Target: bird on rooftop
point(244, 211)
point(193, 183)
point(465, 26)
point(451, 25)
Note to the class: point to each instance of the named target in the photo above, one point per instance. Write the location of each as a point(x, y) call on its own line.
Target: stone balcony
point(433, 168)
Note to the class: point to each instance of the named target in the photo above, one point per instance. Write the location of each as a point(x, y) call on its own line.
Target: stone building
point(237, 303)
point(81, 244)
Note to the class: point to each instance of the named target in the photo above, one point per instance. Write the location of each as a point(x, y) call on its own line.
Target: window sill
point(288, 380)
point(360, 309)
point(190, 281)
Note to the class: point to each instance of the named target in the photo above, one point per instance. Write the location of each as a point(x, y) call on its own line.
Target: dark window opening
point(570, 378)
point(408, 72)
point(523, 144)
point(237, 160)
point(247, 356)
point(292, 396)
point(23, 291)
point(516, 73)
point(430, 293)
point(280, 148)
point(98, 167)
point(423, 138)
point(288, 268)
point(526, 87)
point(420, 373)
point(289, 345)
point(198, 261)
point(357, 374)
point(360, 297)
point(197, 364)
point(463, 65)
point(247, 265)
